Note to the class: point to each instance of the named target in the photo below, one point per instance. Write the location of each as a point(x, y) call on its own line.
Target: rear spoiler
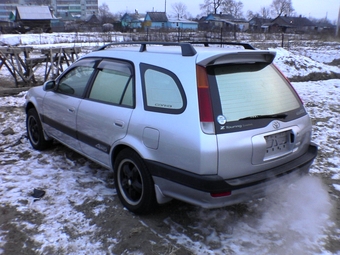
point(240, 57)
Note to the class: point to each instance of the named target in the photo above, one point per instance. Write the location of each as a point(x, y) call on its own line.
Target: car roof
point(202, 52)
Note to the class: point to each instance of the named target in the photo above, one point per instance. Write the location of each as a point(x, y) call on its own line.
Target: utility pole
point(165, 7)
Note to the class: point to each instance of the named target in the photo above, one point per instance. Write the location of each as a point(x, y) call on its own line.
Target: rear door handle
point(119, 123)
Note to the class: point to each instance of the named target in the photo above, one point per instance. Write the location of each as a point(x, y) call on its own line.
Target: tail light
point(204, 101)
point(288, 82)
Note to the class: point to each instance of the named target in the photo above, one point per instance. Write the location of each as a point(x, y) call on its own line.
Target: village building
point(259, 24)
point(223, 21)
point(156, 20)
point(36, 18)
point(287, 24)
point(183, 24)
point(132, 20)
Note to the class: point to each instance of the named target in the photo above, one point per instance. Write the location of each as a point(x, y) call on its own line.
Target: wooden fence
point(22, 64)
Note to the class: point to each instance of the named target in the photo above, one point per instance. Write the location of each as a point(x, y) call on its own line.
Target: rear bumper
point(197, 189)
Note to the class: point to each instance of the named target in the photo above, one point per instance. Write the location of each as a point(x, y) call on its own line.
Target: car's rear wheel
point(35, 131)
point(134, 184)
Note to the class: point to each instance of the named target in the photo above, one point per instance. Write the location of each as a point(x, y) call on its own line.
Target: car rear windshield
point(249, 90)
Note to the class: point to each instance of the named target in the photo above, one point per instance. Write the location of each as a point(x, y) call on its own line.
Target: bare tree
point(265, 12)
point(226, 6)
point(238, 13)
point(179, 10)
point(104, 14)
point(233, 7)
point(250, 14)
point(282, 7)
point(211, 6)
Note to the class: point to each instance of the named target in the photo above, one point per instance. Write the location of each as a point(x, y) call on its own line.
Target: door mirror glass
point(49, 85)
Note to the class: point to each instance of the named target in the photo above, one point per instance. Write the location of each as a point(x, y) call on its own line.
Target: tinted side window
point(74, 82)
point(113, 84)
point(162, 90)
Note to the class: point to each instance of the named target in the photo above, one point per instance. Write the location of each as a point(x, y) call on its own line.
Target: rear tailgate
point(260, 122)
point(252, 151)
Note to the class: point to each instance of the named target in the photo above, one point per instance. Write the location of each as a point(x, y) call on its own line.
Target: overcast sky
point(307, 8)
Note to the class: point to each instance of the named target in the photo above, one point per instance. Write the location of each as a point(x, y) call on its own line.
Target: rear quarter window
point(162, 90)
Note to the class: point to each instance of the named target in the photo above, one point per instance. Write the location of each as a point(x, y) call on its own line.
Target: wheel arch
point(117, 149)
point(29, 106)
point(138, 198)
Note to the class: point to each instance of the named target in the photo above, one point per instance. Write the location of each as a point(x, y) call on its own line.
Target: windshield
point(251, 90)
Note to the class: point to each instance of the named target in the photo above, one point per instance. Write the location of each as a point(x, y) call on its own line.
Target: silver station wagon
point(211, 125)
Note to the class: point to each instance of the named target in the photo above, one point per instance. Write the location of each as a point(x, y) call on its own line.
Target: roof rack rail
point(246, 46)
point(186, 48)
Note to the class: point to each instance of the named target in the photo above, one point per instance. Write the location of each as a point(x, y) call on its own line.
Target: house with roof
point(288, 24)
point(156, 20)
point(222, 21)
point(132, 20)
point(92, 23)
point(325, 26)
point(214, 21)
point(183, 24)
point(34, 17)
point(6, 25)
point(259, 24)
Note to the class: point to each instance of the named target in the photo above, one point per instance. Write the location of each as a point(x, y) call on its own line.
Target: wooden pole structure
point(337, 25)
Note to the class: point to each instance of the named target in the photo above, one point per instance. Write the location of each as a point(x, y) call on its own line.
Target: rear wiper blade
point(272, 116)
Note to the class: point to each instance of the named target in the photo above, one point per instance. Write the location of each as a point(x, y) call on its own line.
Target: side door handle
point(71, 110)
point(119, 123)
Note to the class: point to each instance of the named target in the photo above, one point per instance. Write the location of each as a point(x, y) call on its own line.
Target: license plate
point(278, 144)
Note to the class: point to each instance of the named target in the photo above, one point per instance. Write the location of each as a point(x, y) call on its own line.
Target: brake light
point(204, 99)
point(288, 82)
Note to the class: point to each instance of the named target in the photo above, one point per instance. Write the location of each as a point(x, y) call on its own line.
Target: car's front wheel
point(35, 131)
point(134, 184)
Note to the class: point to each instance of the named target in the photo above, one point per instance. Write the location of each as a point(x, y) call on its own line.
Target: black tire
point(35, 131)
point(134, 184)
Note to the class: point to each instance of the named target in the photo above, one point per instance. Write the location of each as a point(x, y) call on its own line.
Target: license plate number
point(278, 144)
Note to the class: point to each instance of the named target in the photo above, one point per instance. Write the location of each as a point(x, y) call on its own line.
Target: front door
point(61, 105)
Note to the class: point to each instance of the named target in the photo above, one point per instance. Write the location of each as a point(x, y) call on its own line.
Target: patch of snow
point(296, 65)
point(337, 186)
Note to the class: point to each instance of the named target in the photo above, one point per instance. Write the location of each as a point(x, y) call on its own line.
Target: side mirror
point(49, 85)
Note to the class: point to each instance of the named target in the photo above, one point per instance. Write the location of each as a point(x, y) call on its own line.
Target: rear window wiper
point(272, 116)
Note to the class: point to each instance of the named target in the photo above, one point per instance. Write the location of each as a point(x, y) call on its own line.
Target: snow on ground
point(57, 38)
point(297, 65)
point(296, 218)
point(324, 54)
point(322, 101)
point(64, 181)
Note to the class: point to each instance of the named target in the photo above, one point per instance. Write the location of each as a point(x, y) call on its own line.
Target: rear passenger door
point(103, 117)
